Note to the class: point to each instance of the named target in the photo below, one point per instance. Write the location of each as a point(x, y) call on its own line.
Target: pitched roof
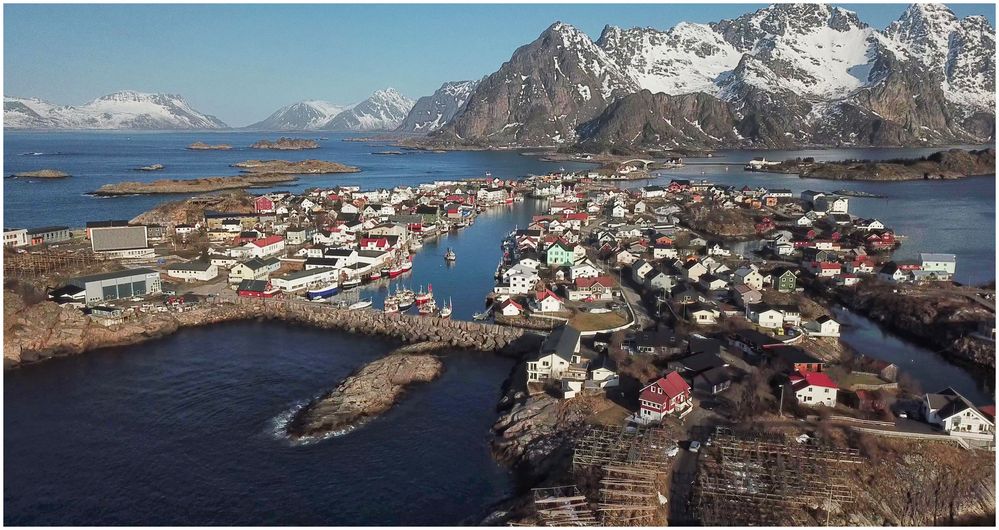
point(672, 385)
point(267, 241)
point(804, 380)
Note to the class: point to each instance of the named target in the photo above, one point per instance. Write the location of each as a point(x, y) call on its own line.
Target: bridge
point(645, 163)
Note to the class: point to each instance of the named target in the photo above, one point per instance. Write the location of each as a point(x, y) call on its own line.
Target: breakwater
point(36, 332)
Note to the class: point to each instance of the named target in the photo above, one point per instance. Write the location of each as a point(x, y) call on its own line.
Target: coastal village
point(690, 366)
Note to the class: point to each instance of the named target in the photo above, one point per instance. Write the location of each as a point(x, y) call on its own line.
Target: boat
point(395, 271)
point(375, 276)
point(351, 283)
point(385, 271)
point(450, 255)
point(406, 266)
point(360, 304)
point(445, 312)
point(417, 244)
point(424, 297)
point(405, 298)
point(428, 308)
point(391, 305)
point(324, 291)
point(480, 316)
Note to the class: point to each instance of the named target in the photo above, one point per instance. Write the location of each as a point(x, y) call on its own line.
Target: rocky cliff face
point(791, 74)
point(542, 94)
point(430, 113)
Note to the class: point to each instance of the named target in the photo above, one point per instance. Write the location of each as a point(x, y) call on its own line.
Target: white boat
point(360, 304)
point(417, 244)
point(450, 255)
point(351, 283)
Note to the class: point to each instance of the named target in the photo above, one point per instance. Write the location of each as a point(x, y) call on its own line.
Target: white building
point(193, 271)
point(299, 280)
point(955, 414)
point(15, 237)
point(939, 263)
point(814, 389)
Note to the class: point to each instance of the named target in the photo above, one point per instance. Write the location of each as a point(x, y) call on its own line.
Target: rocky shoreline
point(44, 330)
point(942, 165)
point(202, 146)
point(301, 167)
point(198, 185)
point(41, 174)
point(369, 392)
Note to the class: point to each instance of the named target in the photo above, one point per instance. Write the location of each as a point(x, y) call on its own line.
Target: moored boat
point(395, 271)
point(351, 283)
point(391, 305)
point(428, 308)
point(450, 255)
point(406, 266)
point(360, 304)
point(446, 311)
point(424, 297)
point(375, 276)
point(324, 291)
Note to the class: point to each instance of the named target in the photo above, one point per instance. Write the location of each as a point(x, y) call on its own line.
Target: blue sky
point(241, 62)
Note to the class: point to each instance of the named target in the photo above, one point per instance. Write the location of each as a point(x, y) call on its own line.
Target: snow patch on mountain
point(430, 113)
point(301, 116)
point(384, 110)
point(126, 109)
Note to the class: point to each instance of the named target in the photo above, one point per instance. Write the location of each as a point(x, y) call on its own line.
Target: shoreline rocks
point(286, 144)
point(202, 146)
point(368, 392)
point(302, 167)
point(35, 332)
point(199, 185)
point(41, 174)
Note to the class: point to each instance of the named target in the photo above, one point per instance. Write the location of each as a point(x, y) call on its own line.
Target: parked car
point(695, 446)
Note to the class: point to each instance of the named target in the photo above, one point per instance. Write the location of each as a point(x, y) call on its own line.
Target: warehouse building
point(193, 271)
point(299, 280)
point(121, 242)
point(48, 234)
point(121, 284)
point(15, 237)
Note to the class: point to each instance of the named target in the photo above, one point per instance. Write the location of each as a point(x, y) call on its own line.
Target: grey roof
point(45, 229)
point(252, 285)
point(190, 266)
point(118, 238)
point(305, 273)
point(112, 275)
point(562, 342)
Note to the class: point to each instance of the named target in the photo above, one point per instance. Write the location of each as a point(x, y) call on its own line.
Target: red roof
point(672, 385)
point(541, 295)
point(584, 283)
point(509, 302)
point(988, 410)
point(267, 241)
point(799, 380)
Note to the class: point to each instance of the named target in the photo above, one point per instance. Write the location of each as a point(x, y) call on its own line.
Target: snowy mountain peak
point(383, 110)
point(303, 115)
point(126, 109)
point(430, 113)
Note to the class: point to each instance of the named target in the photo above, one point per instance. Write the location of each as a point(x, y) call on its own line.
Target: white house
point(510, 308)
point(767, 317)
point(547, 302)
point(265, 247)
point(814, 389)
point(824, 326)
point(558, 353)
point(193, 271)
point(583, 270)
point(942, 264)
point(955, 414)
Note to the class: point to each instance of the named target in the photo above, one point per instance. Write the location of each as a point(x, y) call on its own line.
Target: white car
point(695, 446)
point(673, 451)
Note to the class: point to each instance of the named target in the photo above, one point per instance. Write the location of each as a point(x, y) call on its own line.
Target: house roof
point(267, 241)
point(949, 402)
point(804, 380)
point(795, 355)
point(672, 385)
point(258, 286)
point(605, 281)
point(702, 361)
point(562, 341)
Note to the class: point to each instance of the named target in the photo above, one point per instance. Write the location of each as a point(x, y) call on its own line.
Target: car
point(695, 446)
point(673, 451)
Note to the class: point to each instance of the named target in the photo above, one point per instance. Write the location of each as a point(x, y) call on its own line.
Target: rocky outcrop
point(286, 144)
point(298, 167)
point(719, 222)
point(44, 330)
point(370, 391)
point(199, 185)
point(188, 211)
point(42, 174)
point(202, 146)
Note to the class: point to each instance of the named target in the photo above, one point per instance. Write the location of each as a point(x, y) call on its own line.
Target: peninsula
point(942, 165)
point(286, 144)
point(300, 167)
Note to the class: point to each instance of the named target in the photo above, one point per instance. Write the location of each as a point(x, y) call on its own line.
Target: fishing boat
point(360, 304)
point(406, 266)
point(480, 316)
point(391, 305)
point(385, 272)
point(406, 299)
point(450, 255)
point(428, 308)
point(395, 271)
point(446, 311)
point(424, 297)
point(351, 283)
point(375, 276)
point(417, 244)
point(324, 291)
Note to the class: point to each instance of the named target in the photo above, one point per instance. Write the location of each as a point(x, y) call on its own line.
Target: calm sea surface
point(182, 430)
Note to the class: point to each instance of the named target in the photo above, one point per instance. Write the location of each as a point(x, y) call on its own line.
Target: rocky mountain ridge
point(125, 109)
point(432, 112)
point(786, 75)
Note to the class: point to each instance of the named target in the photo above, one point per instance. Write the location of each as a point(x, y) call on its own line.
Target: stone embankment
point(370, 391)
point(35, 332)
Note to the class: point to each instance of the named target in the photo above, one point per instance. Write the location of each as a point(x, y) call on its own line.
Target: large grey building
point(117, 285)
point(114, 238)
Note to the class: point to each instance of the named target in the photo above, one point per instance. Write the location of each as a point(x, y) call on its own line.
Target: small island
point(199, 185)
point(41, 174)
point(286, 144)
point(387, 153)
point(202, 146)
point(942, 165)
point(152, 167)
point(301, 167)
point(374, 389)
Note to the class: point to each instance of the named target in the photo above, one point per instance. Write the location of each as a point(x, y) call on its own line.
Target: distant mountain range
point(786, 75)
point(121, 110)
point(789, 74)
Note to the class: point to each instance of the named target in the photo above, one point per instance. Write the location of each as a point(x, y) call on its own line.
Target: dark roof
point(656, 339)
point(716, 375)
point(45, 229)
point(108, 223)
point(700, 362)
point(190, 266)
point(112, 275)
point(754, 338)
point(949, 402)
point(795, 355)
point(562, 341)
point(703, 345)
point(252, 285)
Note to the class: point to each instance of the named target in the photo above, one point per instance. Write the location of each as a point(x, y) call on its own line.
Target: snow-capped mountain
point(543, 93)
point(121, 110)
point(432, 112)
point(791, 74)
point(301, 116)
point(383, 111)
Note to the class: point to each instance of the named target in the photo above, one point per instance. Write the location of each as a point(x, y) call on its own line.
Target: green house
point(786, 281)
point(559, 254)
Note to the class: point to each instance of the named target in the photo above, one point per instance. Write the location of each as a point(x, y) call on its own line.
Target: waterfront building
point(120, 284)
point(15, 237)
point(48, 234)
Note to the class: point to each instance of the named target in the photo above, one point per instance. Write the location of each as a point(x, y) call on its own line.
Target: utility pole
point(782, 400)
